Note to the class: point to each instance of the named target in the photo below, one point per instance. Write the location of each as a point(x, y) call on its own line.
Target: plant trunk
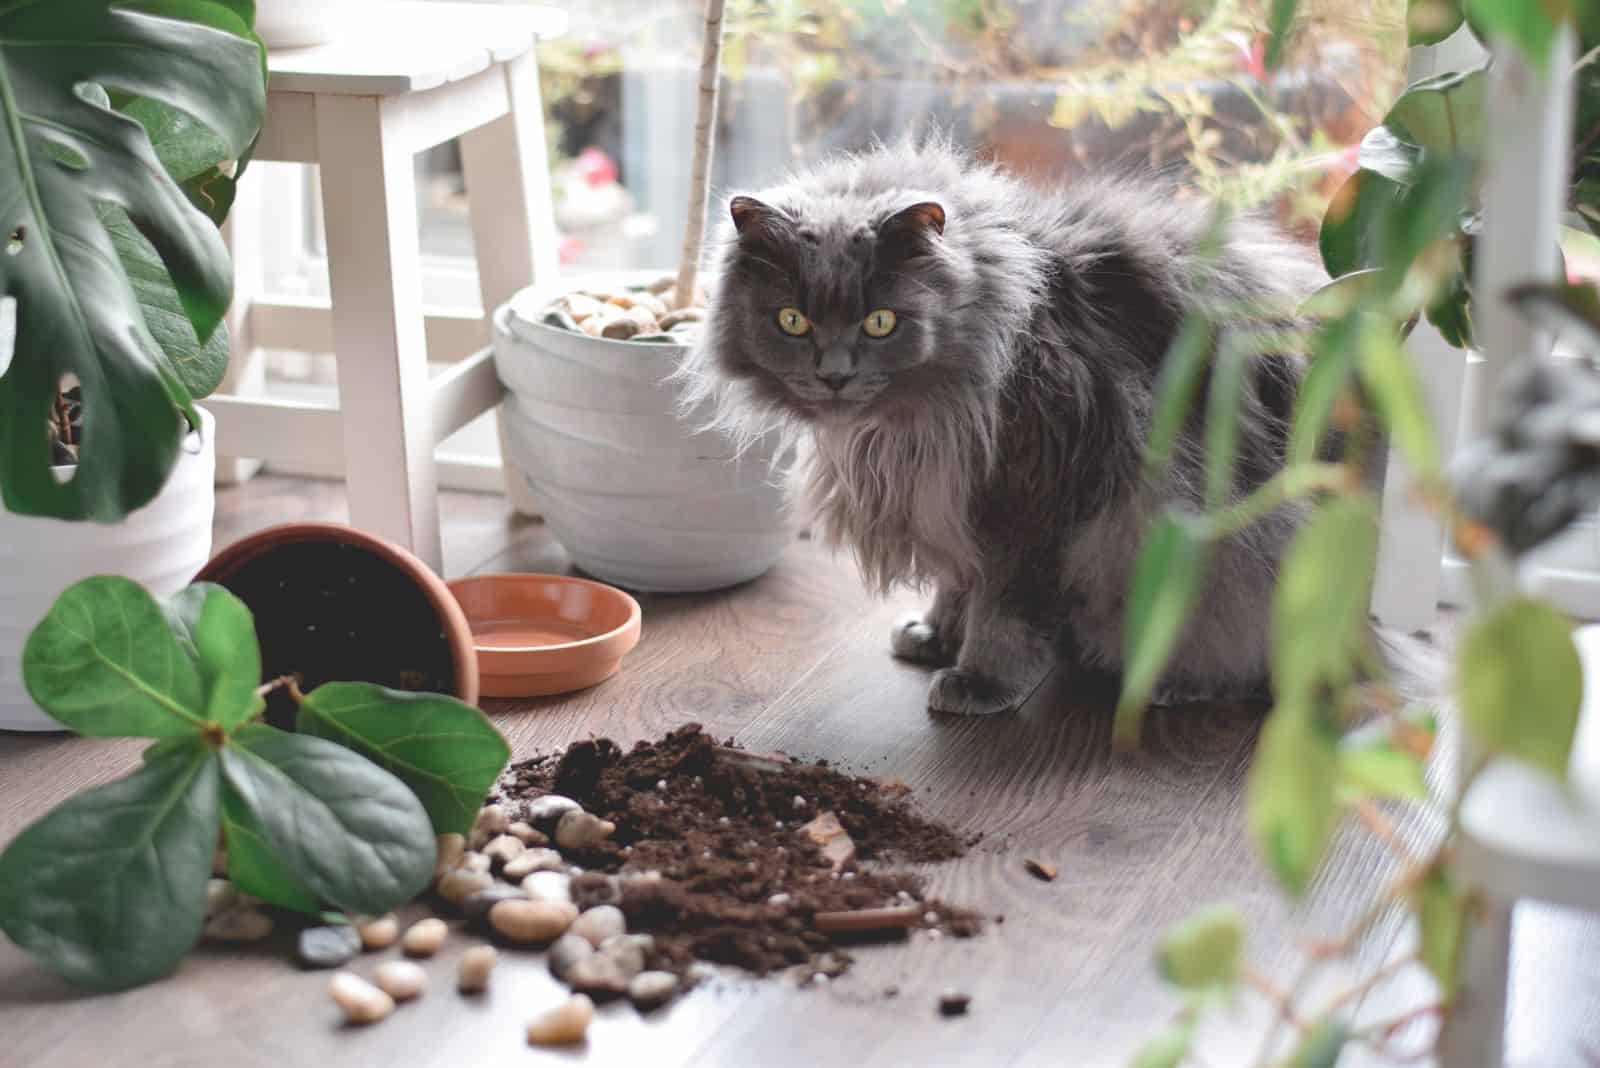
point(705, 128)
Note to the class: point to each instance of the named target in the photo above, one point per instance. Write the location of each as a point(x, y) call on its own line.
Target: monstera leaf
point(67, 156)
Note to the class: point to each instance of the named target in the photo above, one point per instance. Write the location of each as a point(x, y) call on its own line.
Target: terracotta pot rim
point(463, 655)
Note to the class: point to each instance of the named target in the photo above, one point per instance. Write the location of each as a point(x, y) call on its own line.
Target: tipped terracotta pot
point(334, 604)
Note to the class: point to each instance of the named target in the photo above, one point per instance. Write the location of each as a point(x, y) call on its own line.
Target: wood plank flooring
point(797, 661)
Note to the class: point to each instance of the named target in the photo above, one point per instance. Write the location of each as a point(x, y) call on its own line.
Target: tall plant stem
point(705, 128)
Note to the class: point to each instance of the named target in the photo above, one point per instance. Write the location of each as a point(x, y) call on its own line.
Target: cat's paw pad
point(914, 638)
point(960, 693)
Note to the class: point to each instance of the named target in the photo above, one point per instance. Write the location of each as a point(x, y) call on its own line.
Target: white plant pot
point(303, 23)
point(161, 547)
point(638, 496)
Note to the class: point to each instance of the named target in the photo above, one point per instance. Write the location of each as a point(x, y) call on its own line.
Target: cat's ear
point(921, 220)
point(751, 215)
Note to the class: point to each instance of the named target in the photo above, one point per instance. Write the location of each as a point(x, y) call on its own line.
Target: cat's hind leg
point(934, 637)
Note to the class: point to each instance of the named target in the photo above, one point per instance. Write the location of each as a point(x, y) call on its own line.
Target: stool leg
point(1474, 1036)
point(369, 209)
point(507, 171)
point(247, 368)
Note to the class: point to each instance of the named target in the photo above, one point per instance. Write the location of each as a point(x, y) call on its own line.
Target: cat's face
point(834, 312)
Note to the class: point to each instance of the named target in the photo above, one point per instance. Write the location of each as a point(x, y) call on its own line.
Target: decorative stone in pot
point(639, 494)
point(333, 603)
point(159, 546)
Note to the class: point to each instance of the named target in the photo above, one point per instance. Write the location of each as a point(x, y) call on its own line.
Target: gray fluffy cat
point(967, 365)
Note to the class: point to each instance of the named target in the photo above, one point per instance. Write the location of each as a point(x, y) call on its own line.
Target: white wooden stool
point(362, 109)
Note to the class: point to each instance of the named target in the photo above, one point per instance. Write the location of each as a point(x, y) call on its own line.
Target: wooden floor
point(797, 661)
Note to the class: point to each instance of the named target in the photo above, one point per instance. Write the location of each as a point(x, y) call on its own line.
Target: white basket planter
point(637, 496)
point(161, 547)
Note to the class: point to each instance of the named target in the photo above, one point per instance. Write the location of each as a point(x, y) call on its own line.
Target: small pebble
point(819, 979)
point(545, 812)
point(423, 938)
point(474, 861)
point(953, 1003)
point(681, 316)
point(581, 306)
point(564, 1025)
point(359, 1000)
point(526, 834)
point(451, 846)
point(532, 921)
point(650, 990)
point(594, 326)
point(220, 896)
point(238, 925)
point(327, 947)
point(492, 820)
point(627, 953)
point(532, 860)
point(661, 785)
point(579, 830)
point(400, 979)
point(472, 974)
point(379, 933)
point(548, 886)
point(779, 900)
point(904, 895)
point(600, 973)
point(619, 329)
point(460, 884)
point(930, 917)
point(566, 952)
point(477, 905)
point(595, 888)
point(723, 820)
point(654, 305)
point(600, 923)
point(503, 849)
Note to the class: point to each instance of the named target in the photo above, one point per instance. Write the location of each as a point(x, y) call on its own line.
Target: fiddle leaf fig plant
point(80, 169)
point(109, 889)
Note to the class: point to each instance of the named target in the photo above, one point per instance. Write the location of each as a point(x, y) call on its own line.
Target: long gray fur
point(991, 447)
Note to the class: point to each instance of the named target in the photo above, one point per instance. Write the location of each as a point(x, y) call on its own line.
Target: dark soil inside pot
point(741, 880)
point(326, 611)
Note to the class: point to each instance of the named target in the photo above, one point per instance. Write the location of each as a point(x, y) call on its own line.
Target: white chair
point(362, 109)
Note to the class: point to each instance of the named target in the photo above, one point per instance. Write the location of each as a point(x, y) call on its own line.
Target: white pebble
point(723, 820)
point(472, 974)
point(548, 886)
point(460, 884)
point(564, 1025)
point(379, 933)
point(903, 895)
point(819, 979)
point(930, 917)
point(779, 900)
point(359, 1000)
point(799, 802)
point(647, 990)
point(661, 784)
point(600, 923)
point(400, 979)
point(847, 876)
point(423, 938)
point(503, 849)
point(532, 860)
point(580, 830)
point(474, 861)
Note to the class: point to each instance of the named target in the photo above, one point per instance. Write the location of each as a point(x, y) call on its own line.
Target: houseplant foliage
point(111, 252)
point(109, 888)
point(1341, 740)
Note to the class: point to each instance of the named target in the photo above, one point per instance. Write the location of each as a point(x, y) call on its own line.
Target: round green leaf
point(1319, 608)
point(109, 889)
point(341, 826)
point(1321, 1047)
point(445, 750)
point(1444, 114)
point(1521, 683)
point(216, 629)
point(1167, 576)
point(253, 866)
point(1291, 804)
point(104, 663)
point(1202, 951)
point(1370, 765)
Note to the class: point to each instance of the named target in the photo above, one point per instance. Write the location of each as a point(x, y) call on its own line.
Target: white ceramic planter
point(303, 23)
point(637, 496)
point(161, 547)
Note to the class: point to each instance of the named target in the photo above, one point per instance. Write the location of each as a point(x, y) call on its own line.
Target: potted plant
point(639, 493)
point(115, 280)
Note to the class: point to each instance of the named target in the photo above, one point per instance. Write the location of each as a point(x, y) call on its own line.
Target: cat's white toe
point(959, 693)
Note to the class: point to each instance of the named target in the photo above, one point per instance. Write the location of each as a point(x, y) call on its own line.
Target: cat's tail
point(1415, 667)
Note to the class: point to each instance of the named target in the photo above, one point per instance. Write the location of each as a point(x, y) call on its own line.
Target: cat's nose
point(836, 380)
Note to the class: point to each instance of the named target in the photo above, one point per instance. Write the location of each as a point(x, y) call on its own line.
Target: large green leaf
point(1181, 370)
point(253, 866)
point(1386, 154)
point(218, 632)
point(1291, 804)
point(1430, 21)
point(1202, 951)
point(445, 750)
point(1443, 114)
point(1223, 399)
point(342, 827)
point(1319, 609)
point(77, 314)
point(1396, 391)
point(1521, 683)
point(1325, 380)
point(1371, 765)
point(104, 663)
point(1167, 577)
point(109, 889)
point(1529, 25)
point(1279, 19)
point(1320, 1047)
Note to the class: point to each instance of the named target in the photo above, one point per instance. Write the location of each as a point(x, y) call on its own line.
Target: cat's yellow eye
point(792, 321)
point(879, 324)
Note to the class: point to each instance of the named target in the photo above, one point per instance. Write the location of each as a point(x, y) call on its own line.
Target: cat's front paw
point(961, 693)
point(915, 639)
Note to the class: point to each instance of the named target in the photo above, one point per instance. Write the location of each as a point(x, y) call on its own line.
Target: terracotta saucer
point(538, 635)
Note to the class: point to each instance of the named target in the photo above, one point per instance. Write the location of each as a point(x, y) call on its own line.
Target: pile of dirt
point(749, 874)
